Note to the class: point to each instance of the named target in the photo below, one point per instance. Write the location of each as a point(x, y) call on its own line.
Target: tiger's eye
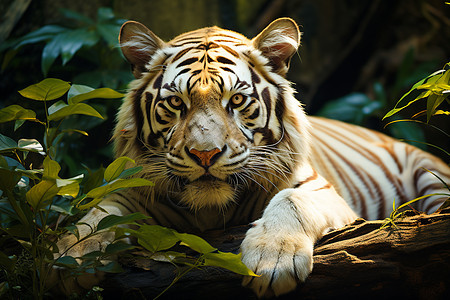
point(175, 102)
point(237, 99)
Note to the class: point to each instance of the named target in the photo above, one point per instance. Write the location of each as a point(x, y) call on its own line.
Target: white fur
point(279, 246)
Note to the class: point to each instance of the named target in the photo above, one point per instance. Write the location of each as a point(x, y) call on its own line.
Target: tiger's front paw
point(280, 258)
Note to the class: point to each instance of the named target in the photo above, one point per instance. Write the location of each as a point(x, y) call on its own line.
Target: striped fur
point(215, 124)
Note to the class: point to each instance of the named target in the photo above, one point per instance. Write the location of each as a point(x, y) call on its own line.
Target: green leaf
point(433, 102)
point(16, 112)
point(56, 106)
point(442, 112)
point(30, 145)
point(18, 231)
point(75, 109)
point(130, 172)
point(105, 14)
point(194, 242)
point(69, 190)
point(118, 247)
point(228, 261)
point(7, 143)
point(436, 83)
point(74, 230)
point(73, 40)
point(94, 179)
point(103, 93)
point(18, 124)
point(77, 89)
point(70, 14)
point(47, 89)
point(155, 238)
point(66, 44)
point(98, 193)
point(8, 180)
point(351, 108)
point(42, 34)
point(168, 256)
point(111, 267)
point(3, 162)
point(67, 262)
point(109, 33)
point(114, 170)
point(113, 220)
point(41, 194)
point(51, 168)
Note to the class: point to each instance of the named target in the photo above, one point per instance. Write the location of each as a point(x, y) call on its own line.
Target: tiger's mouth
point(208, 178)
point(207, 191)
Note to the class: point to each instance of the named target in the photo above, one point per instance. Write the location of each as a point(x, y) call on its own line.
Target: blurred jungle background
point(356, 60)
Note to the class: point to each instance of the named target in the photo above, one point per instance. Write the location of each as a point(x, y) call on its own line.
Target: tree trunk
point(410, 259)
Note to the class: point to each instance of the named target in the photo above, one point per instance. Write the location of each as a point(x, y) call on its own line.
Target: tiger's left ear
point(278, 42)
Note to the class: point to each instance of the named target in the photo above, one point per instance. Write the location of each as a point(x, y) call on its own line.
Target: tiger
point(214, 122)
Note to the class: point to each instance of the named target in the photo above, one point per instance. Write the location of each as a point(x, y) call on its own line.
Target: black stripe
point(255, 77)
point(254, 115)
point(225, 60)
point(227, 70)
point(160, 120)
point(245, 109)
point(181, 53)
point(231, 51)
point(138, 115)
point(280, 107)
point(182, 72)
point(187, 62)
point(267, 101)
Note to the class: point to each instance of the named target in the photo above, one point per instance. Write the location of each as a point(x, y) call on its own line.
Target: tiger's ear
point(138, 45)
point(278, 42)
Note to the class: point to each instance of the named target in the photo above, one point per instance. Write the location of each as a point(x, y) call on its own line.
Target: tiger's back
point(372, 170)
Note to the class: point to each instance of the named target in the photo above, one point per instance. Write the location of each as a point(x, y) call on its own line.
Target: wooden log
point(410, 259)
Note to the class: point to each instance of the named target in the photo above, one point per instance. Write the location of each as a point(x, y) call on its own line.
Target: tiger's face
point(208, 113)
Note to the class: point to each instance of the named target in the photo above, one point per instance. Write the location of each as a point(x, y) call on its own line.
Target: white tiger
point(215, 125)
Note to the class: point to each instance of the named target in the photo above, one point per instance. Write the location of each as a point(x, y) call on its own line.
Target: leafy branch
point(37, 205)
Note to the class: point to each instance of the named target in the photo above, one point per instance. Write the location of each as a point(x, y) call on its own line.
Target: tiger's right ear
point(138, 45)
point(278, 42)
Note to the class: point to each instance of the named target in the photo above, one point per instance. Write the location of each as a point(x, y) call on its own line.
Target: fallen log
point(409, 259)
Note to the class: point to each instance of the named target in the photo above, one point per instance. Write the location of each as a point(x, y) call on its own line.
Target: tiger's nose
point(205, 158)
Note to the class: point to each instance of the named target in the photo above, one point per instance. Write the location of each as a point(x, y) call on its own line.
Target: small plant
point(435, 89)
point(37, 206)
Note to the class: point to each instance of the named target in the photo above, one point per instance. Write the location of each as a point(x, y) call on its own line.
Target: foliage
point(435, 88)
point(37, 206)
point(95, 41)
point(364, 110)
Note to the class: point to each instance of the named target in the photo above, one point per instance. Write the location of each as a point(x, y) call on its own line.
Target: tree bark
point(410, 259)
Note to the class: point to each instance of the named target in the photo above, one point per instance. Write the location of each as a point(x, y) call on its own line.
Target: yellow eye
point(237, 100)
point(175, 102)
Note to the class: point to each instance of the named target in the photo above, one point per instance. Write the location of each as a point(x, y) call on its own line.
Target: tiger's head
point(210, 114)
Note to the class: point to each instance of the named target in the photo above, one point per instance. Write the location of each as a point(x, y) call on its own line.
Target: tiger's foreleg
point(279, 246)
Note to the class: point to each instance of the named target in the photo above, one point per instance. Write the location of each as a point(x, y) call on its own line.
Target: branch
point(359, 260)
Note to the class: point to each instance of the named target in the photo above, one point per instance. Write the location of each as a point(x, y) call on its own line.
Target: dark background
point(348, 46)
